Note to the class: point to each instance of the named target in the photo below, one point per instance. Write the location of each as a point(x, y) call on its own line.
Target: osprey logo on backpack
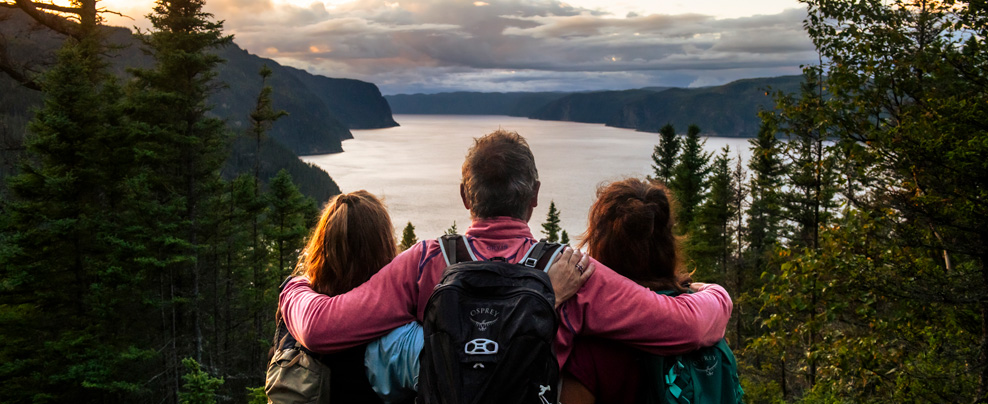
point(488, 329)
point(483, 317)
point(707, 363)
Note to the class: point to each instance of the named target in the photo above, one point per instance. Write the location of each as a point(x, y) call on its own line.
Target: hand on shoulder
point(568, 273)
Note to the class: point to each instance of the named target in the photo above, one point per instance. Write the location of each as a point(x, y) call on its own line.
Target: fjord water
point(415, 167)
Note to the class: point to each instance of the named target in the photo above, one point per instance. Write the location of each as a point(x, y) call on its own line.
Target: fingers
point(566, 256)
point(586, 274)
point(583, 262)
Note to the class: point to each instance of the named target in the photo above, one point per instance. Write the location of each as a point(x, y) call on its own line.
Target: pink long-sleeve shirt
point(608, 305)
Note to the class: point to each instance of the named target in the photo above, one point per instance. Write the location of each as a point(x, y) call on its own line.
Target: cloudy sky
point(410, 46)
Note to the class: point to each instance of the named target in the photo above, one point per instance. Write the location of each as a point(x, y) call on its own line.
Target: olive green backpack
point(295, 374)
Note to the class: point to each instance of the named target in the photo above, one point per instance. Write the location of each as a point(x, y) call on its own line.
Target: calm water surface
point(415, 168)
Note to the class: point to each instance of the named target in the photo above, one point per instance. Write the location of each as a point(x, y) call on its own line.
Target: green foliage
point(408, 238)
point(256, 395)
point(885, 301)
point(551, 227)
point(664, 154)
point(452, 229)
point(564, 238)
point(199, 386)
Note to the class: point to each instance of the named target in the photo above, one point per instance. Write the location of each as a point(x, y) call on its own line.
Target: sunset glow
point(428, 45)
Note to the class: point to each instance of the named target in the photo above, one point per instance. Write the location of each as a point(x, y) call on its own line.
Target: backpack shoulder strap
point(541, 255)
point(455, 249)
point(280, 329)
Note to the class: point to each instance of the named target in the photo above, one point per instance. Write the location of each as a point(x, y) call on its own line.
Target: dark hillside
point(358, 104)
point(595, 107)
point(729, 110)
point(322, 110)
point(471, 103)
point(311, 180)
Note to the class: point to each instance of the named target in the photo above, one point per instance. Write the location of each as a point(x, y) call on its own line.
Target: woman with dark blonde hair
point(630, 230)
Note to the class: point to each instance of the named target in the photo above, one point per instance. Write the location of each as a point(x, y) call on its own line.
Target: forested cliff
point(729, 110)
point(322, 109)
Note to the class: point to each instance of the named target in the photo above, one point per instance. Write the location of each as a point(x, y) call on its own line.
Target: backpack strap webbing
point(278, 319)
point(541, 255)
point(284, 338)
point(455, 249)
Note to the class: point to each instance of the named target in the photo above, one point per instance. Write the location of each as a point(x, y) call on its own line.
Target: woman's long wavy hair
point(352, 241)
point(630, 229)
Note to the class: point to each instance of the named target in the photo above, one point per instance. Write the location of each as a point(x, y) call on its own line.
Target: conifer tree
point(67, 259)
point(236, 302)
point(765, 211)
point(689, 181)
point(809, 202)
point(184, 148)
point(712, 244)
point(287, 222)
point(764, 215)
point(664, 154)
point(452, 229)
point(408, 238)
point(199, 387)
point(551, 226)
point(564, 238)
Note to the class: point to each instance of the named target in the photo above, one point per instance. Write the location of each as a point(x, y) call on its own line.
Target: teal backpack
point(707, 375)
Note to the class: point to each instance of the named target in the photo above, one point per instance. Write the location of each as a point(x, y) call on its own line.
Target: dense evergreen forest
point(854, 241)
point(132, 267)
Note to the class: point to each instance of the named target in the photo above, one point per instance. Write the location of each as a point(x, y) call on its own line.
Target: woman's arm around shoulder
point(327, 324)
point(613, 307)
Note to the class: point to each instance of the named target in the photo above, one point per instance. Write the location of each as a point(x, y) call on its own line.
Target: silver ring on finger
point(580, 268)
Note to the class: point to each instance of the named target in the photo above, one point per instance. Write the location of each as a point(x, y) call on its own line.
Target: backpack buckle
point(480, 346)
point(531, 262)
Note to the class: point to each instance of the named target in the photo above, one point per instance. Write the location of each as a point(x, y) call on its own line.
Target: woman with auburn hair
point(352, 241)
point(630, 230)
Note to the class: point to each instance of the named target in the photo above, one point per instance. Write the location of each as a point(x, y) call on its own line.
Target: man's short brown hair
point(499, 176)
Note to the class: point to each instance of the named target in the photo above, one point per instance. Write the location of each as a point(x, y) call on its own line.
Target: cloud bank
point(409, 46)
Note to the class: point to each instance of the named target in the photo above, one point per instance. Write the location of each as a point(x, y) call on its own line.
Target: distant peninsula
point(322, 110)
point(729, 110)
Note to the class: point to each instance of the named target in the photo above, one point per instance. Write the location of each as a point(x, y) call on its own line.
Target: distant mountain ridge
point(472, 103)
point(728, 110)
point(322, 110)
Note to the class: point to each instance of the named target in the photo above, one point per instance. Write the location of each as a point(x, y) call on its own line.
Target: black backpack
point(489, 328)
